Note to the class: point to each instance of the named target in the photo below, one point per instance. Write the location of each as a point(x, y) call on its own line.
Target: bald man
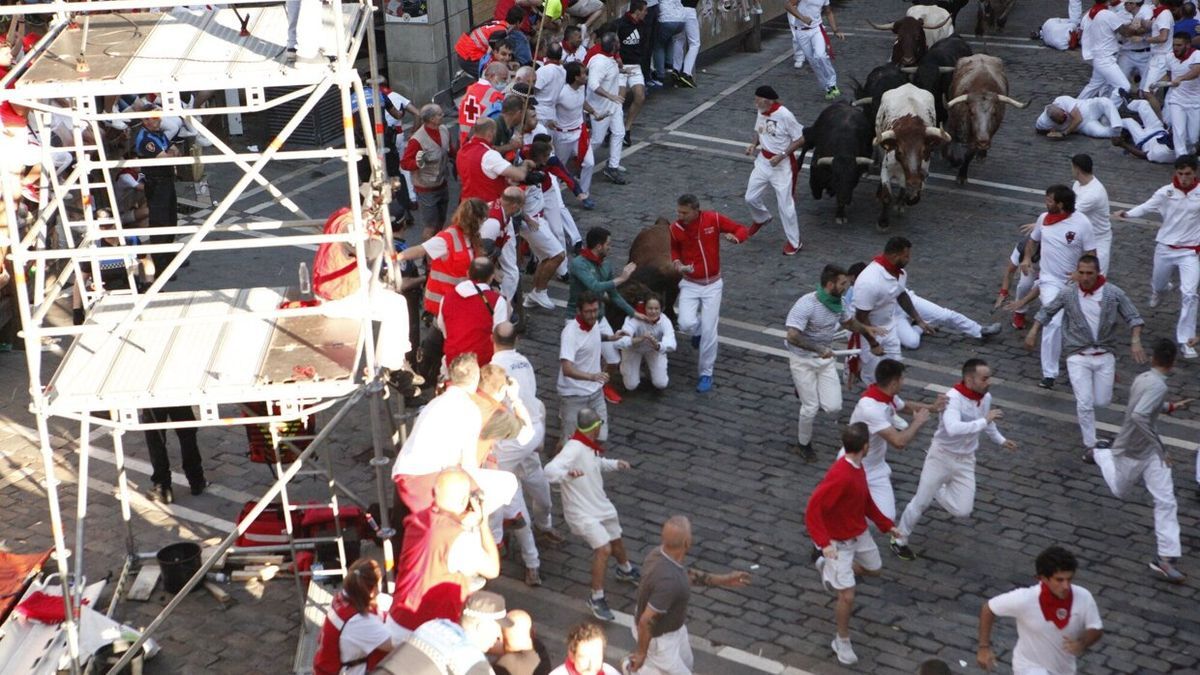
point(447, 551)
point(524, 654)
point(662, 601)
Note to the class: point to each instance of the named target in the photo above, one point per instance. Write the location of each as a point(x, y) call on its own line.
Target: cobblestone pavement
point(726, 458)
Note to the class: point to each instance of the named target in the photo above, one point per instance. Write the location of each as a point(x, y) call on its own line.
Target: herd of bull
point(934, 93)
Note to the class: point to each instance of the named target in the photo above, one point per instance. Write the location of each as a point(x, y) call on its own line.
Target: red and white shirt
point(1062, 244)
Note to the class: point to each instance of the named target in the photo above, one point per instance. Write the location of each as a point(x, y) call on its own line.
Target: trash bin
point(178, 563)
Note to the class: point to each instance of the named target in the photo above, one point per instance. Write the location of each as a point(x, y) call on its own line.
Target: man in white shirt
point(501, 228)
point(604, 79)
point(1183, 102)
point(551, 76)
point(1057, 621)
point(1145, 137)
point(1061, 237)
point(1160, 28)
point(1101, 26)
point(1133, 53)
point(581, 378)
point(571, 140)
point(808, 32)
point(1091, 200)
point(948, 474)
point(877, 291)
point(1177, 242)
point(777, 136)
point(877, 409)
point(1095, 117)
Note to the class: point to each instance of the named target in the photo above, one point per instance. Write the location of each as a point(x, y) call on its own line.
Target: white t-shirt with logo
point(1039, 642)
point(777, 131)
point(1062, 244)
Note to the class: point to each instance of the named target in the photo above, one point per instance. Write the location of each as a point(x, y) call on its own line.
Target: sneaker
point(655, 83)
point(1088, 457)
point(902, 551)
point(600, 610)
point(1046, 383)
point(845, 653)
point(588, 204)
point(807, 453)
point(633, 576)
point(685, 80)
point(532, 578)
point(611, 395)
point(539, 298)
point(696, 341)
point(788, 249)
point(1167, 570)
point(705, 384)
point(1187, 351)
point(988, 331)
point(162, 494)
point(199, 488)
point(830, 94)
point(613, 174)
point(1018, 321)
point(798, 66)
point(628, 140)
point(1156, 297)
point(756, 227)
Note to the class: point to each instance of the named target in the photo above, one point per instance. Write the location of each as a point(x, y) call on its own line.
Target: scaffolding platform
point(193, 49)
point(222, 352)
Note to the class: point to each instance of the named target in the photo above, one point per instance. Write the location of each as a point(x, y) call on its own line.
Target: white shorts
point(862, 550)
point(597, 533)
point(633, 78)
point(542, 241)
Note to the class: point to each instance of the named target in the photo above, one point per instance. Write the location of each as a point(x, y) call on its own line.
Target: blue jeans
point(667, 30)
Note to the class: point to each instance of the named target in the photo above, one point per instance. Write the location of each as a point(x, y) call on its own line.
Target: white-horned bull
point(907, 132)
point(978, 94)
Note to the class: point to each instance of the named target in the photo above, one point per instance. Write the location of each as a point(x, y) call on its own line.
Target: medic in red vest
point(467, 320)
point(450, 252)
point(353, 636)
point(483, 172)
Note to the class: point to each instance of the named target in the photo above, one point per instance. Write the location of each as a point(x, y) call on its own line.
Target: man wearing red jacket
point(696, 254)
point(836, 517)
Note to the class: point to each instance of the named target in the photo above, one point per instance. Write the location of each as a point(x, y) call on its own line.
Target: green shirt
point(588, 276)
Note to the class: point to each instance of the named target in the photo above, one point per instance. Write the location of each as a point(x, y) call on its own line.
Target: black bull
point(841, 145)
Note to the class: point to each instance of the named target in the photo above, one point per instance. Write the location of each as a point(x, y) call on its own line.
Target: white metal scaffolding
point(213, 349)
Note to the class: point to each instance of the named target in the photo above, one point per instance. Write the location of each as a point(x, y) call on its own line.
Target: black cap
point(487, 605)
point(766, 91)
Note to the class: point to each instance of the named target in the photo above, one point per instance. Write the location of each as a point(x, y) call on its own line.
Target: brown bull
point(910, 44)
point(651, 251)
point(975, 109)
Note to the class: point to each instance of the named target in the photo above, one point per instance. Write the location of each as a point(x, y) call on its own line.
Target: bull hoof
point(961, 179)
point(841, 220)
point(883, 225)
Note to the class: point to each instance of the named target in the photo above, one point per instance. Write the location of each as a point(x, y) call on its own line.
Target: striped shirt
point(815, 322)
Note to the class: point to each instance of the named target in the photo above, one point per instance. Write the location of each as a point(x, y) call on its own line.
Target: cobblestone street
point(727, 458)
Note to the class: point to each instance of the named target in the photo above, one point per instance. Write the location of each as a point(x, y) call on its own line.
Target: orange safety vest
point(446, 273)
point(473, 44)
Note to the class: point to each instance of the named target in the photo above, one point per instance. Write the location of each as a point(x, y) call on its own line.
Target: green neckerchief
point(831, 303)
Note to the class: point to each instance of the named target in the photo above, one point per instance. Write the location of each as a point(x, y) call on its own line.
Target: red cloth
point(1159, 10)
point(795, 164)
point(838, 509)
point(584, 145)
point(595, 445)
point(1100, 279)
point(874, 392)
point(894, 270)
point(506, 227)
point(1175, 182)
point(1052, 218)
point(1100, 6)
point(445, 273)
point(699, 243)
point(570, 666)
point(44, 608)
point(589, 254)
point(583, 326)
point(828, 43)
point(1054, 609)
point(475, 183)
point(469, 325)
point(422, 571)
point(968, 393)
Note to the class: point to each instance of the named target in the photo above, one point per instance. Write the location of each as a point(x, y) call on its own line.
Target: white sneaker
point(539, 298)
point(1156, 297)
point(1187, 352)
point(845, 653)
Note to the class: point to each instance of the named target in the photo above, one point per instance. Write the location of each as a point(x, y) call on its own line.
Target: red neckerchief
point(640, 308)
point(594, 445)
point(1100, 279)
point(774, 106)
point(570, 667)
point(968, 393)
point(1186, 55)
point(894, 270)
point(1054, 609)
point(583, 326)
point(875, 393)
point(1159, 10)
point(1175, 182)
point(1097, 8)
point(589, 254)
point(1052, 218)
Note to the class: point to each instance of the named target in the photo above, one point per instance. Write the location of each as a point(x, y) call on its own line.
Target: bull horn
point(943, 23)
point(888, 135)
point(1012, 101)
point(908, 70)
point(824, 161)
point(956, 100)
point(939, 133)
point(879, 27)
point(864, 161)
point(862, 101)
point(946, 69)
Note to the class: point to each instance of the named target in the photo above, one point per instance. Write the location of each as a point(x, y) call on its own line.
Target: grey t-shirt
point(666, 589)
point(1138, 437)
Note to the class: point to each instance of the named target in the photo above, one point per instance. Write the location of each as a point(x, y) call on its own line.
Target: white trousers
point(686, 62)
point(1155, 69)
point(614, 123)
point(700, 310)
point(819, 387)
point(879, 483)
point(631, 368)
point(1121, 472)
point(812, 44)
point(1092, 381)
point(1106, 79)
point(525, 463)
point(1052, 331)
point(947, 477)
point(935, 315)
point(1056, 33)
point(560, 220)
point(1131, 62)
point(523, 535)
point(1151, 125)
point(1104, 250)
point(304, 27)
point(1166, 260)
point(566, 147)
point(1100, 118)
point(385, 306)
point(668, 654)
point(797, 49)
point(891, 350)
point(1024, 285)
point(1184, 119)
point(777, 178)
